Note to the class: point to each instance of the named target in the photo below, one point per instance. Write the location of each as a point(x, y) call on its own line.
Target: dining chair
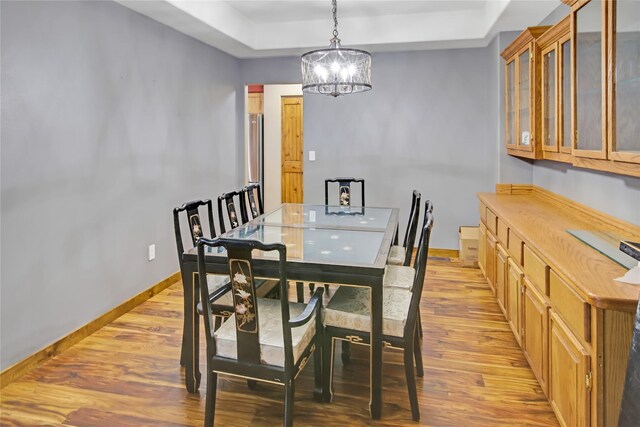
point(344, 190)
point(235, 208)
point(401, 276)
point(347, 317)
point(252, 196)
point(401, 255)
point(630, 406)
point(221, 300)
point(264, 340)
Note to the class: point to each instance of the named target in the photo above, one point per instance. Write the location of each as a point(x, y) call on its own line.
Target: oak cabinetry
point(535, 320)
point(255, 103)
point(501, 277)
point(516, 246)
point(583, 100)
point(490, 260)
point(570, 306)
point(482, 244)
point(555, 46)
point(537, 270)
point(522, 74)
point(569, 376)
point(572, 320)
point(623, 80)
point(514, 295)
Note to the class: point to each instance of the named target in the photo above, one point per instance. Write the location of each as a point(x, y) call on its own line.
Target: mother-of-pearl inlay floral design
point(344, 196)
point(244, 305)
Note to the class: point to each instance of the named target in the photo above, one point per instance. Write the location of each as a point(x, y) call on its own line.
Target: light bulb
point(335, 67)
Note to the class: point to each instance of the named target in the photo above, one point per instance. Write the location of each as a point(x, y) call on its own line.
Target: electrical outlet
point(152, 252)
point(312, 156)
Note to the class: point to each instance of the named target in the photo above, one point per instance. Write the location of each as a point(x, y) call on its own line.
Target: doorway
point(292, 150)
point(270, 106)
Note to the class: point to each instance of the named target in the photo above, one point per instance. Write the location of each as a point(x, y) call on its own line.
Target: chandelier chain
point(335, 18)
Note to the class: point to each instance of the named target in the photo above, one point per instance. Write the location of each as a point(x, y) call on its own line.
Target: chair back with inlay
point(253, 199)
point(344, 190)
point(235, 208)
point(194, 219)
point(245, 301)
point(237, 349)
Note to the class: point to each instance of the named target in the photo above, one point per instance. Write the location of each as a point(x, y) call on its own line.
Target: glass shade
point(336, 70)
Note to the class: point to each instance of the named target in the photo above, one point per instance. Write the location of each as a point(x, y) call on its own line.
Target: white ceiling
point(262, 28)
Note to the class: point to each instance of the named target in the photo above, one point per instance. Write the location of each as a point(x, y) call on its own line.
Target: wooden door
point(292, 150)
point(514, 303)
point(501, 277)
point(569, 376)
point(535, 318)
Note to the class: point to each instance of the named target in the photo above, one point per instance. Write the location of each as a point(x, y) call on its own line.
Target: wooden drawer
point(536, 270)
point(515, 247)
point(492, 221)
point(483, 213)
point(503, 233)
point(570, 306)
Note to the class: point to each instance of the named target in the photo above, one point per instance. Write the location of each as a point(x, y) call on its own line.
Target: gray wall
point(109, 120)
point(426, 125)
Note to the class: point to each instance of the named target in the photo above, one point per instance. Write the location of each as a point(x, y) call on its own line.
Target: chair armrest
point(314, 303)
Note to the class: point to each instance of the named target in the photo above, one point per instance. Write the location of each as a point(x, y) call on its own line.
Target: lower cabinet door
point(490, 263)
point(569, 376)
point(535, 323)
point(482, 242)
point(501, 277)
point(514, 299)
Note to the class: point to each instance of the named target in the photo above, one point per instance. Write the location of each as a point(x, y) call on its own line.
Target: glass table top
point(354, 217)
point(313, 245)
point(607, 244)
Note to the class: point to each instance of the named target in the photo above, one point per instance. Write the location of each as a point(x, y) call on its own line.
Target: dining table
point(346, 246)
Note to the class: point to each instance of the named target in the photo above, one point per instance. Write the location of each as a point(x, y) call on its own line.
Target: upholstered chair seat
point(396, 255)
point(271, 337)
point(399, 276)
point(349, 309)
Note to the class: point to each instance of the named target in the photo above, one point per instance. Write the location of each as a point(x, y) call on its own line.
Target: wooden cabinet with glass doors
point(624, 81)
point(555, 48)
point(522, 76)
point(606, 78)
point(578, 100)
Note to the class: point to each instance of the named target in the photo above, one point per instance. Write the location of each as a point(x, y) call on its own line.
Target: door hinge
point(588, 380)
point(522, 290)
point(575, 137)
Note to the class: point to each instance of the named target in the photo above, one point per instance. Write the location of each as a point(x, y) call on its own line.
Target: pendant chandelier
point(336, 70)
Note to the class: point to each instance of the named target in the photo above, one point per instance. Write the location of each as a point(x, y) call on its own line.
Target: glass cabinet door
point(511, 104)
point(549, 140)
point(589, 140)
point(565, 96)
point(625, 132)
point(524, 101)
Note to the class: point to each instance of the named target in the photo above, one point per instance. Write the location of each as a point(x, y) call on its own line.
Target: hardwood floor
point(127, 373)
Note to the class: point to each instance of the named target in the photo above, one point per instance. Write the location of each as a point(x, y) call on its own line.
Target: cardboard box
point(468, 246)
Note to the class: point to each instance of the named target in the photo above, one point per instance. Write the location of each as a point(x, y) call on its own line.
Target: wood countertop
point(541, 219)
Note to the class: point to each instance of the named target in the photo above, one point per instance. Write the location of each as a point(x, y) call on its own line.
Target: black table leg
point(191, 337)
point(375, 405)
